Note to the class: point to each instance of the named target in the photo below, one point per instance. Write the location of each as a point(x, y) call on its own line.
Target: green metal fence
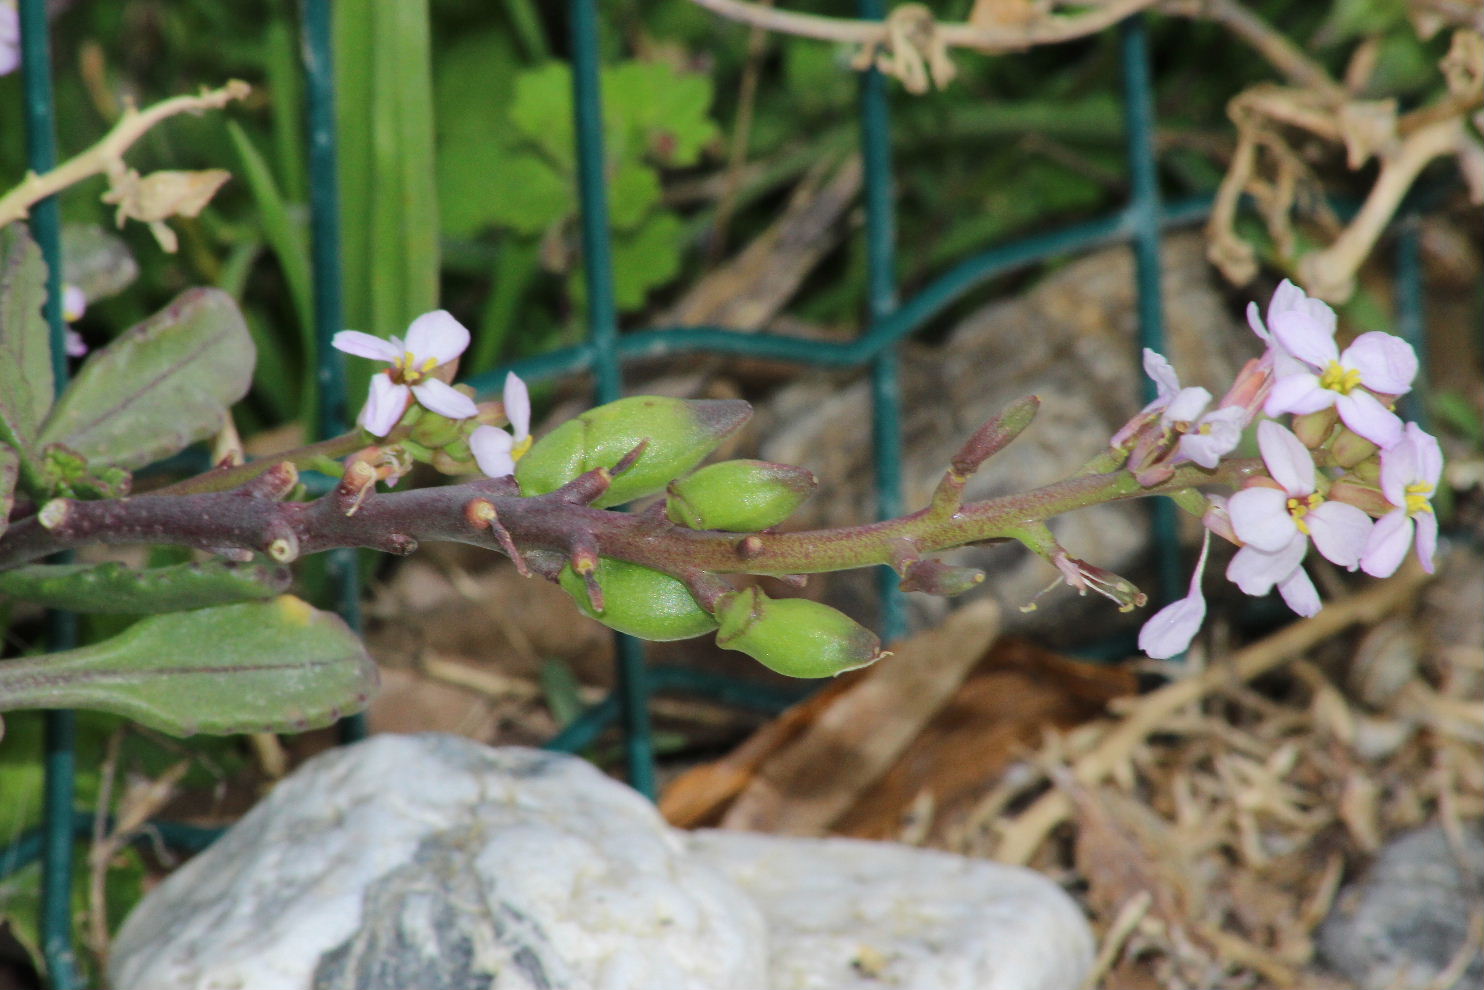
point(1139, 223)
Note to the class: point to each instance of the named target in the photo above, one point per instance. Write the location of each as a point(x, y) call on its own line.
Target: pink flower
point(496, 451)
point(1409, 475)
point(433, 339)
point(1170, 630)
point(1276, 525)
point(1375, 363)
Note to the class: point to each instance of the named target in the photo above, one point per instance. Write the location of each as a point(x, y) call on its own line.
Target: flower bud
point(1314, 428)
point(639, 601)
point(1368, 498)
point(1349, 449)
point(934, 577)
point(794, 636)
point(680, 433)
point(739, 496)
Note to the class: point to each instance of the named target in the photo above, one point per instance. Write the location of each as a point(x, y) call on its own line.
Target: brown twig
point(108, 153)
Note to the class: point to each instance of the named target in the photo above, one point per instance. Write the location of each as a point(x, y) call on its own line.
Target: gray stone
point(1407, 919)
point(846, 913)
point(434, 862)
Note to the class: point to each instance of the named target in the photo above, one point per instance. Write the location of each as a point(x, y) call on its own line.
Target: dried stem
point(108, 153)
point(1048, 30)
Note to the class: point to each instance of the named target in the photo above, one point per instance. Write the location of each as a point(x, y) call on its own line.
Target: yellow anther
point(1338, 378)
point(1418, 495)
point(519, 450)
point(1298, 508)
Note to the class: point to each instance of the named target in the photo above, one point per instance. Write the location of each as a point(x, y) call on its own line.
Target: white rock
point(844, 913)
point(431, 861)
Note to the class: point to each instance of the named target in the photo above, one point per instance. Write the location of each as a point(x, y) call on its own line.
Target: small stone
point(1408, 918)
point(847, 913)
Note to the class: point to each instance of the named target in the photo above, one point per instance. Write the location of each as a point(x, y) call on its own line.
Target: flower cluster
point(1349, 477)
point(419, 370)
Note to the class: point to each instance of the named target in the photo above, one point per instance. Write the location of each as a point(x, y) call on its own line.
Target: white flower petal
point(1298, 393)
point(1364, 414)
point(437, 335)
point(491, 448)
point(1260, 518)
point(1429, 456)
point(1170, 630)
point(1386, 546)
point(1288, 460)
point(443, 399)
point(1427, 539)
point(1163, 374)
point(1386, 364)
point(1304, 337)
point(365, 345)
point(1339, 532)
point(385, 404)
point(1187, 405)
point(1217, 434)
point(518, 405)
point(1256, 571)
point(1300, 594)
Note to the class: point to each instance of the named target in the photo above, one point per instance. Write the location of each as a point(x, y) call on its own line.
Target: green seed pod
point(794, 636)
point(739, 496)
point(680, 433)
point(639, 601)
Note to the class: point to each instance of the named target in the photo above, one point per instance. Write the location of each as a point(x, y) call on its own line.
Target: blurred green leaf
point(524, 194)
point(118, 588)
point(9, 469)
point(388, 179)
point(646, 258)
point(541, 112)
point(278, 666)
point(96, 260)
point(562, 691)
point(653, 110)
point(160, 386)
point(633, 191)
point(287, 237)
point(25, 342)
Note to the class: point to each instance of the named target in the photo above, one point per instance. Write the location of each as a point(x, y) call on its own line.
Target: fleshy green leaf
point(25, 340)
point(159, 387)
point(116, 588)
point(276, 666)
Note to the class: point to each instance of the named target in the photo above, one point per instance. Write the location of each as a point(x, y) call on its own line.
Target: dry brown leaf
point(699, 797)
point(1015, 695)
point(811, 782)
